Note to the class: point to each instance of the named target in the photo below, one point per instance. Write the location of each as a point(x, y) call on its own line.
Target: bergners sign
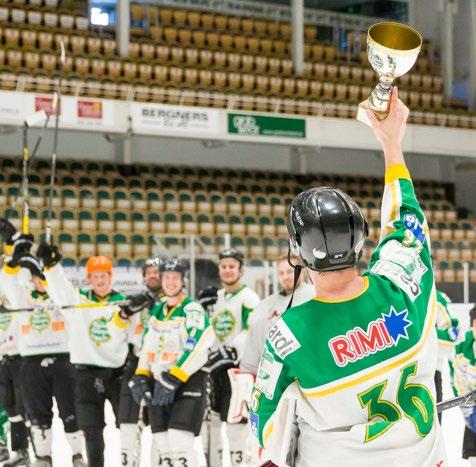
point(158, 118)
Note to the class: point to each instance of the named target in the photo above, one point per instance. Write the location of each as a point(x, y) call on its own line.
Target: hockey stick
point(140, 428)
point(79, 306)
point(56, 101)
point(462, 401)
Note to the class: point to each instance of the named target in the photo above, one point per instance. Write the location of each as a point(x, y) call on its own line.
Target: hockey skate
point(19, 458)
point(44, 461)
point(78, 461)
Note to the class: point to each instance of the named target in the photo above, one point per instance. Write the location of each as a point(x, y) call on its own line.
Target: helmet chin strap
point(297, 272)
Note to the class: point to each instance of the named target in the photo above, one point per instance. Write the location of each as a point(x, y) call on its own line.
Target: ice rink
point(453, 427)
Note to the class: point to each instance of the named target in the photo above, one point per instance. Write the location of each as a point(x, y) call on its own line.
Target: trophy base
point(362, 114)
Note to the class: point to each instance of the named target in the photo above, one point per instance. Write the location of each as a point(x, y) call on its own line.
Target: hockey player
point(45, 371)
point(350, 373)
point(169, 377)
point(230, 319)
point(98, 343)
point(128, 408)
point(464, 381)
point(271, 308)
point(10, 387)
point(447, 332)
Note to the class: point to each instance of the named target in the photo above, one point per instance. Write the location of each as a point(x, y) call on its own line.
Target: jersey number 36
point(414, 400)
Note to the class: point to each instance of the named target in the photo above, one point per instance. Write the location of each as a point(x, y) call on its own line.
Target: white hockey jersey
point(265, 316)
point(9, 328)
point(42, 331)
point(231, 316)
point(98, 337)
point(177, 340)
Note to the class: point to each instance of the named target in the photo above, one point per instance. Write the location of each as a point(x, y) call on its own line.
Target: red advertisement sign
point(90, 109)
point(46, 104)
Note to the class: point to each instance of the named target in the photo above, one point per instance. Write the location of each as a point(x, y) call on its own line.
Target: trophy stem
point(379, 99)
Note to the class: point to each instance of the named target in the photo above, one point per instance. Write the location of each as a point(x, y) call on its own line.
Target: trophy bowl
point(392, 50)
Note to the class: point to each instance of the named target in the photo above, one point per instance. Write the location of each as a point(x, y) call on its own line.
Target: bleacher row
point(98, 210)
point(195, 58)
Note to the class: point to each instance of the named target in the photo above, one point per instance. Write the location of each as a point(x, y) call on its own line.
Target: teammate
point(464, 381)
point(128, 408)
point(351, 373)
point(447, 332)
point(230, 319)
point(169, 376)
point(10, 387)
point(98, 343)
point(45, 372)
point(271, 308)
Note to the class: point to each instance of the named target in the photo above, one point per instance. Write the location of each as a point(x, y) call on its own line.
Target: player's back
point(365, 371)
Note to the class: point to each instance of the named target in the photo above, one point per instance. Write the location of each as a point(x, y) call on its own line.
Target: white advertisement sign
point(158, 118)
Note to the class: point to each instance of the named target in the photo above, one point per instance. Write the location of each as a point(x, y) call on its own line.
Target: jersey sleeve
point(254, 343)
point(143, 365)
point(273, 378)
point(459, 372)
point(200, 338)
point(249, 304)
point(60, 289)
point(12, 288)
point(446, 325)
point(403, 253)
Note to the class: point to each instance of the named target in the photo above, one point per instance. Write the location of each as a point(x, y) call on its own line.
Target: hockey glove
point(32, 264)
point(49, 255)
point(221, 359)
point(208, 296)
point(140, 387)
point(7, 230)
point(165, 388)
point(22, 244)
point(136, 303)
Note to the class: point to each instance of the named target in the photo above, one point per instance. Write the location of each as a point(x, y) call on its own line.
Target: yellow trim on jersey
point(446, 343)
point(179, 373)
point(396, 171)
point(385, 369)
point(10, 270)
point(8, 249)
point(143, 372)
point(366, 286)
point(267, 432)
point(119, 322)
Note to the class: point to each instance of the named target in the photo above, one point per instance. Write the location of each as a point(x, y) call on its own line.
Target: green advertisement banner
point(259, 125)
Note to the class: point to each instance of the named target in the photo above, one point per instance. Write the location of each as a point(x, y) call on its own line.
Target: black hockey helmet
point(149, 263)
point(232, 253)
point(173, 265)
point(326, 228)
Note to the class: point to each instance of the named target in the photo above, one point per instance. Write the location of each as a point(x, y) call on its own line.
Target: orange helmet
point(99, 264)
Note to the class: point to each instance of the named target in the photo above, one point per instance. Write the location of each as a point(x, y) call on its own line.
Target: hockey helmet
point(327, 229)
point(173, 265)
point(232, 253)
point(99, 264)
point(149, 263)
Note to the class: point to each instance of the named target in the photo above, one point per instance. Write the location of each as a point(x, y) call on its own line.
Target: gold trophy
point(392, 49)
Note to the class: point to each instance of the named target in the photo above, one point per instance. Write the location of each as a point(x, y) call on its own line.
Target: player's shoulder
point(442, 297)
point(249, 293)
point(192, 306)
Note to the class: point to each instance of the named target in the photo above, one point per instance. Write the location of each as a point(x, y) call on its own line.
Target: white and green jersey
point(231, 316)
point(360, 370)
point(98, 336)
point(42, 331)
point(265, 315)
point(446, 329)
point(176, 340)
point(9, 328)
point(463, 365)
